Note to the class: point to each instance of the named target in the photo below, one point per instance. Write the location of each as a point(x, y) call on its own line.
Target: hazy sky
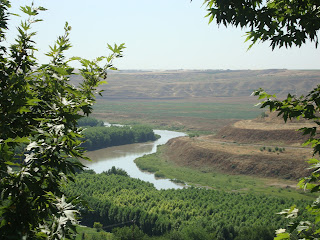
point(159, 34)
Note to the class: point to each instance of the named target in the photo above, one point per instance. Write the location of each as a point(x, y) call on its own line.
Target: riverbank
point(123, 157)
point(159, 164)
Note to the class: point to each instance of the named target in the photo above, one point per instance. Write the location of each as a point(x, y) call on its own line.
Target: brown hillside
point(270, 129)
point(186, 84)
point(237, 149)
point(285, 136)
point(236, 159)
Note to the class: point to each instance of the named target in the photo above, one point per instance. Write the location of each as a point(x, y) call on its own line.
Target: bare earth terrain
point(238, 159)
point(260, 147)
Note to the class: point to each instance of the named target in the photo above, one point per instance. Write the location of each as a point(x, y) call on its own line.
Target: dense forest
point(191, 213)
point(97, 136)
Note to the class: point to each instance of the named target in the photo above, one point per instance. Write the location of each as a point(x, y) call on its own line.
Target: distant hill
point(186, 84)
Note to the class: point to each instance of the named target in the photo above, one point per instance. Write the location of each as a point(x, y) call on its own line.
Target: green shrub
point(159, 174)
point(97, 226)
point(177, 181)
point(128, 233)
point(116, 171)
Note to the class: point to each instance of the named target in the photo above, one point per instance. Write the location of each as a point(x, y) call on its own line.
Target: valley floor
point(261, 152)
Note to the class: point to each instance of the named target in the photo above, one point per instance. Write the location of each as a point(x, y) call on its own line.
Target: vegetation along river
point(123, 157)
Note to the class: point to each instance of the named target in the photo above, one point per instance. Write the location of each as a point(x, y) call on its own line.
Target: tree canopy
point(39, 108)
point(280, 22)
point(194, 213)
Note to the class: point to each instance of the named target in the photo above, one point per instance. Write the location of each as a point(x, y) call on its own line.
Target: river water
point(123, 157)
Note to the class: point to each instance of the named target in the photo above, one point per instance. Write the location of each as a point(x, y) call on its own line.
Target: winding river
point(123, 157)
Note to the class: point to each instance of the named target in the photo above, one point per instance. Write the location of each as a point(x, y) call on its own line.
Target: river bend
point(124, 156)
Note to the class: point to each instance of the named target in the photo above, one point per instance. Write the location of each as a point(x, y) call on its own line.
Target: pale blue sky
point(159, 34)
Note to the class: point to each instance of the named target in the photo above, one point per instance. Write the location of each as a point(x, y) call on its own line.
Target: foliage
point(293, 107)
point(272, 150)
point(128, 233)
point(282, 22)
point(306, 107)
point(117, 199)
point(102, 137)
point(192, 135)
point(159, 174)
point(86, 233)
point(89, 122)
point(257, 233)
point(116, 171)
point(40, 108)
point(97, 226)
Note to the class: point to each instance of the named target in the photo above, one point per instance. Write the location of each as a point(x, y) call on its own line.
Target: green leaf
point(282, 236)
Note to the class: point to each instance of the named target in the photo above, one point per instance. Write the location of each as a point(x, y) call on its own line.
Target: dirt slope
point(248, 147)
point(270, 129)
point(277, 137)
point(237, 159)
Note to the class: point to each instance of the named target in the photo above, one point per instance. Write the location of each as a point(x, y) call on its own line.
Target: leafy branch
point(39, 109)
point(308, 108)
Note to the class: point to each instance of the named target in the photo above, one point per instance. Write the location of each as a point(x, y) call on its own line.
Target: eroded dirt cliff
point(238, 159)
